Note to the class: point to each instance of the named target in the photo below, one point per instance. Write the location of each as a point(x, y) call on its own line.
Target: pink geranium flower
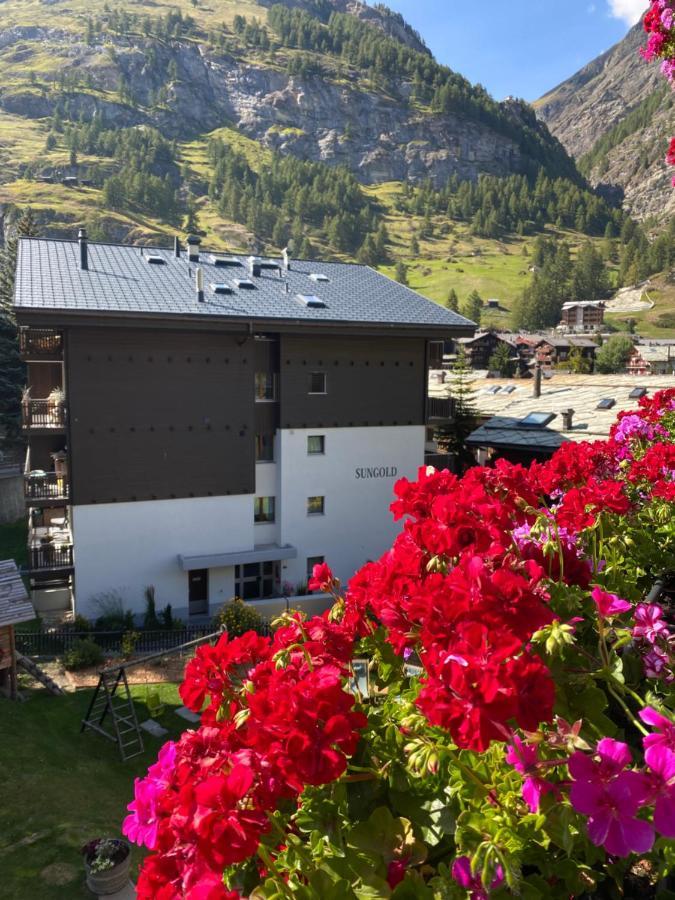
point(609, 604)
point(661, 761)
point(142, 825)
point(649, 623)
point(525, 759)
point(461, 872)
point(665, 737)
point(611, 798)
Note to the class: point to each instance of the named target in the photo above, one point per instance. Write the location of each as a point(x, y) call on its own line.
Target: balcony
point(50, 546)
point(440, 409)
point(45, 488)
point(40, 344)
point(43, 415)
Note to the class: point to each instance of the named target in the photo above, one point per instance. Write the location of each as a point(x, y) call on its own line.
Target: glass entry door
point(256, 581)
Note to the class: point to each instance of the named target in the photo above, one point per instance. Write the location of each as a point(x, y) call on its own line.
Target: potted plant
point(106, 862)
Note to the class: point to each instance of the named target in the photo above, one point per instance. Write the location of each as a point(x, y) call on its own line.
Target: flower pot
point(114, 879)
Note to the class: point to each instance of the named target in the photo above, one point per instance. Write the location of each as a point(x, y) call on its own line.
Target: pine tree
point(502, 361)
point(453, 301)
point(452, 438)
point(401, 273)
point(473, 306)
point(12, 369)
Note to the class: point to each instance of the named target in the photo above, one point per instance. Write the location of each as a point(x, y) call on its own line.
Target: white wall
point(124, 547)
point(357, 525)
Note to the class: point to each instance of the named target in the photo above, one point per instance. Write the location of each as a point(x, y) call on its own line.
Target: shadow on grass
point(61, 788)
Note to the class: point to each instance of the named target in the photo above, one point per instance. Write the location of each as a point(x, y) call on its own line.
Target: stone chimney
point(199, 285)
point(567, 416)
point(193, 243)
point(537, 381)
point(176, 246)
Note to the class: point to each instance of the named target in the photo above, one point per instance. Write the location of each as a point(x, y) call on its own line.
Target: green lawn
point(60, 789)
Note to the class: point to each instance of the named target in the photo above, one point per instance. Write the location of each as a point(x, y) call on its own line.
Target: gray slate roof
point(501, 431)
point(120, 280)
point(15, 606)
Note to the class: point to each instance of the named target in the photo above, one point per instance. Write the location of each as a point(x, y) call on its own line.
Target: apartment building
point(214, 425)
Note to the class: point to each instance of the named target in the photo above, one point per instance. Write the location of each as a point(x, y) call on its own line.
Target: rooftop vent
point(319, 276)
point(637, 393)
point(193, 242)
point(229, 261)
point(311, 301)
point(154, 259)
point(606, 403)
point(84, 253)
point(220, 288)
point(245, 284)
point(567, 417)
point(537, 420)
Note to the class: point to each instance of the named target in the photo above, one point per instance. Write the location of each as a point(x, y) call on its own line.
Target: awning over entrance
point(261, 553)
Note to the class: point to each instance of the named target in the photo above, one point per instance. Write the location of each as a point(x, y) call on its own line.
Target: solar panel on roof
point(607, 403)
point(637, 392)
point(537, 419)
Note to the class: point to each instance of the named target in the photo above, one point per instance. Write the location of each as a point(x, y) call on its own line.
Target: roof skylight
point(311, 301)
point(537, 420)
point(606, 403)
point(216, 260)
point(155, 259)
point(637, 393)
point(319, 276)
point(245, 284)
point(221, 288)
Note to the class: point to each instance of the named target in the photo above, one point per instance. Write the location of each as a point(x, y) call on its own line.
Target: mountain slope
point(615, 117)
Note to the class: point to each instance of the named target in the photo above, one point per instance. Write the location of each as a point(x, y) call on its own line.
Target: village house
point(647, 359)
point(584, 316)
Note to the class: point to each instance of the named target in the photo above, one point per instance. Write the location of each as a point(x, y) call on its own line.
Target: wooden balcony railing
point(50, 556)
point(38, 343)
point(440, 408)
point(43, 414)
point(45, 486)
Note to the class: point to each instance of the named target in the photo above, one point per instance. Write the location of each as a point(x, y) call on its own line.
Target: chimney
point(193, 243)
point(287, 262)
point(254, 267)
point(537, 380)
point(84, 255)
point(567, 416)
point(176, 246)
point(199, 284)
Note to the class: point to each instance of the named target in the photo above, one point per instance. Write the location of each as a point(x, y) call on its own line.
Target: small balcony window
point(264, 448)
point(316, 445)
point(263, 510)
point(315, 506)
point(317, 383)
point(265, 387)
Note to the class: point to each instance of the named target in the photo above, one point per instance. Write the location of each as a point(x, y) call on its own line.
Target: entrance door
point(198, 581)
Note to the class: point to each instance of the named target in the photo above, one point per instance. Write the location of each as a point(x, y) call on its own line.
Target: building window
point(264, 448)
point(263, 510)
point(316, 445)
point(313, 561)
point(265, 387)
point(257, 581)
point(317, 382)
point(315, 506)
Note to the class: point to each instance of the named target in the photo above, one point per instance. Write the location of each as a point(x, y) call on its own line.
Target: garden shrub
point(237, 617)
point(84, 654)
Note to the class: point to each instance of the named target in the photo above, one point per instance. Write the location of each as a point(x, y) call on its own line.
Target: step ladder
point(112, 697)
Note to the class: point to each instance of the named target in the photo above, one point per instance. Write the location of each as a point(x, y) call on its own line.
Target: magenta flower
point(142, 825)
point(657, 664)
point(609, 604)
point(611, 798)
point(661, 761)
point(461, 872)
point(665, 737)
point(649, 623)
point(524, 759)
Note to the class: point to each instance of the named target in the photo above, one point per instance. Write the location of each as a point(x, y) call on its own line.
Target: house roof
point(569, 341)
point(121, 281)
point(506, 432)
point(576, 304)
point(654, 354)
point(15, 606)
point(481, 335)
point(514, 398)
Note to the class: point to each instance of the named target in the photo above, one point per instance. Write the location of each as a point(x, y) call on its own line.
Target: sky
point(519, 47)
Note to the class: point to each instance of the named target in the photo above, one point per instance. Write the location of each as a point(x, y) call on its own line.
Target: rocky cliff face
point(603, 102)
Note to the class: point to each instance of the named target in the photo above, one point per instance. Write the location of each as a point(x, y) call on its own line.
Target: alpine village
point(337, 450)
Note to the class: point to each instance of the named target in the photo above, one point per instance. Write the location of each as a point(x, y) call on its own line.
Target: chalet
point(214, 425)
point(15, 608)
point(584, 316)
point(646, 359)
point(551, 351)
point(481, 347)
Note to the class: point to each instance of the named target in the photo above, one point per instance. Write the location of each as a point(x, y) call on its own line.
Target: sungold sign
point(376, 472)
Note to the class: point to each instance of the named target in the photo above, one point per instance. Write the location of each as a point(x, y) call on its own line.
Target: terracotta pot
point(112, 880)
